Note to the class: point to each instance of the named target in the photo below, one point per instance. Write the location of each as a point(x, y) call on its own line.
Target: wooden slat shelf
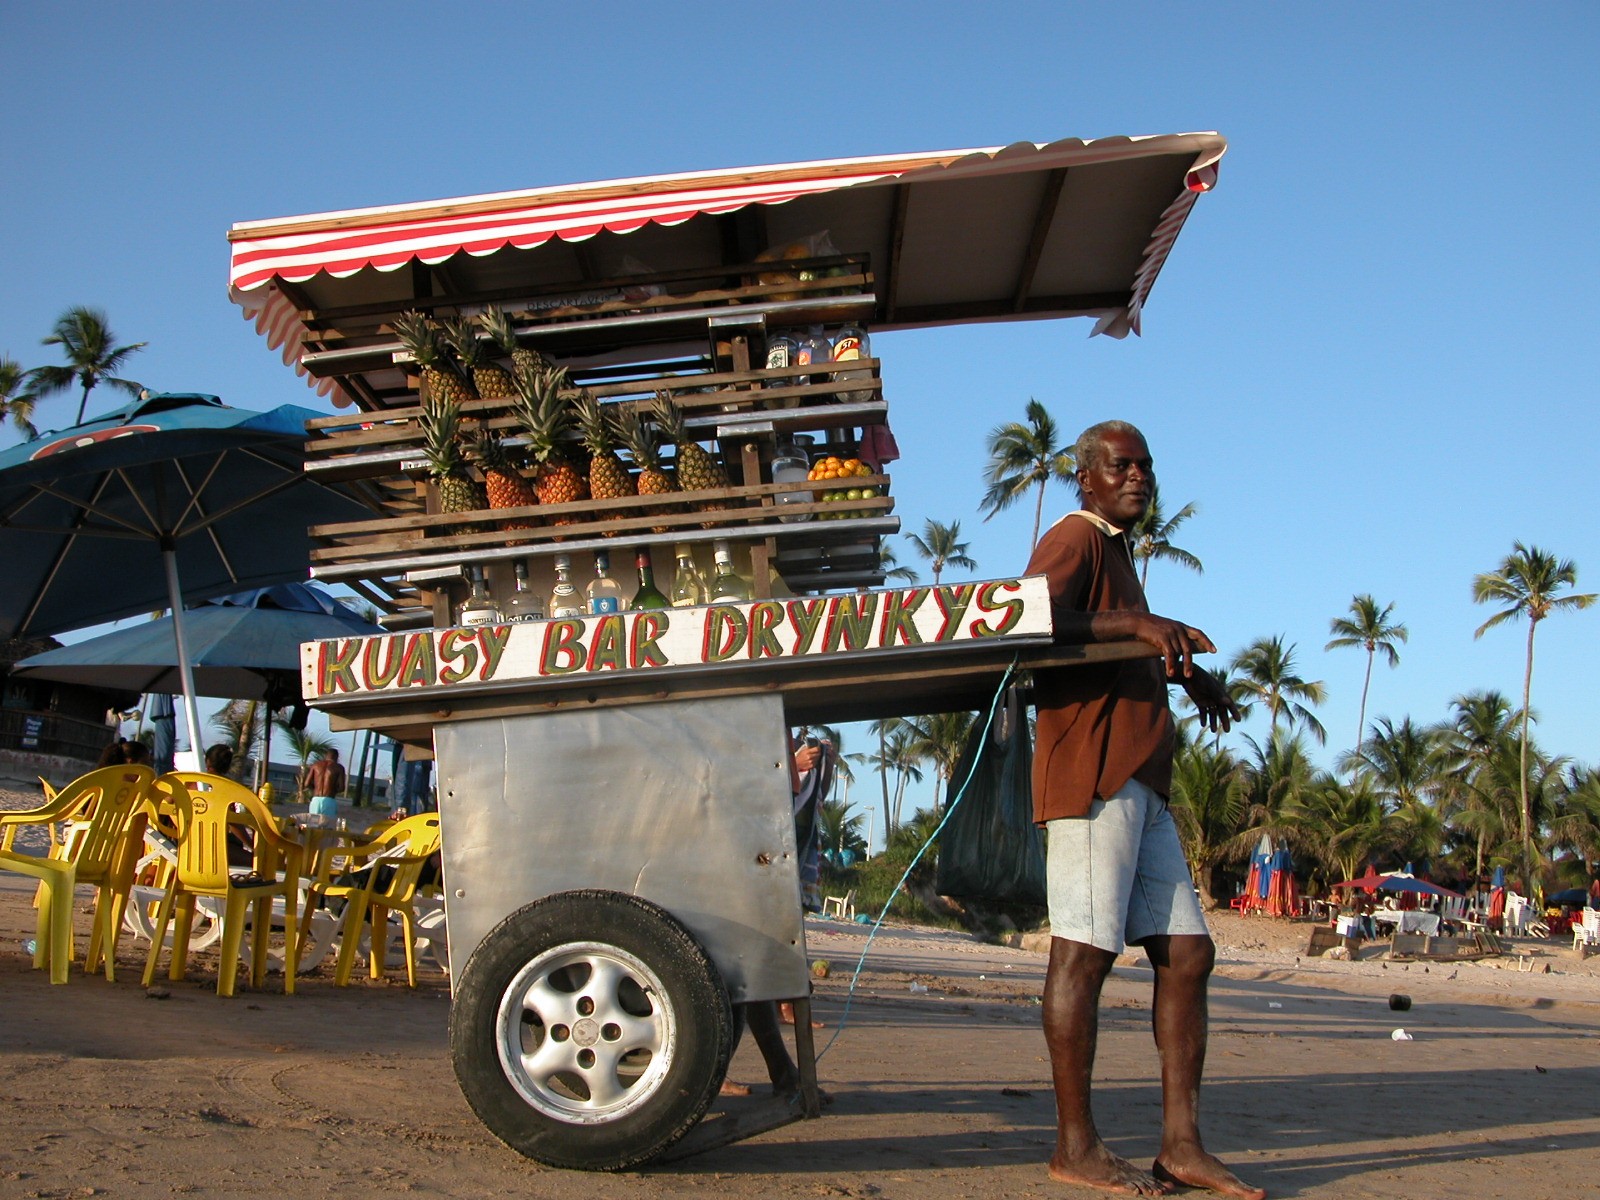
point(506, 547)
point(745, 408)
point(597, 334)
point(530, 304)
point(743, 503)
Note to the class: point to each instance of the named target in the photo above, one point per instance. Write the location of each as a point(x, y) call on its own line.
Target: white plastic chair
point(1586, 933)
point(843, 907)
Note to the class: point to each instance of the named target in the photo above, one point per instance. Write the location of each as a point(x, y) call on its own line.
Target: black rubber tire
point(517, 1045)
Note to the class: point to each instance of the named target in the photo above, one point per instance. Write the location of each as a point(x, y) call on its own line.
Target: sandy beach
point(939, 1094)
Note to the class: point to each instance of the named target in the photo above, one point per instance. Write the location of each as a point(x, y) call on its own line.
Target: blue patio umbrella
point(175, 497)
point(244, 646)
point(1405, 883)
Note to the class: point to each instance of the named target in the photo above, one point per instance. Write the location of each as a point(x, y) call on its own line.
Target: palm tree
point(92, 356)
point(16, 397)
point(305, 746)
point(239, 722)
point(1527, 584)
point(1208, 800)
point(1479, 750)
point(940, 545)
point(891, 567)
point(1152, 537)
point(1368, 627)
point(1266, 672)
point(1407, 767)
point(1281, 778)
point(838, 830)
point(1350, 824)
point(905, 762)
point(1576, 824)
point(939, 739)
point(882, 730)
point(1024, 455)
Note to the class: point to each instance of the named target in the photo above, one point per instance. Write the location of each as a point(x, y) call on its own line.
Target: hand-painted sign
point(715, 635)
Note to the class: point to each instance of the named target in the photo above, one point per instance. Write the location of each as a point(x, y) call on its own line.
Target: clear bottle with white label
point(566, 598)
point(688, 586)
point(727, 585)
point(791, 463)
point(605, 593)
point(524, 604)
point(479, 607)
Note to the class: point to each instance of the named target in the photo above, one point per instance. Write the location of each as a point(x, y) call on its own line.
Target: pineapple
point(492, 382)
point(547, 419)
point(441, 379)
point(441, 426)
point(698, 470)
point(644, 443)
point(524, 362)
point(608, 478)
point(505, 485)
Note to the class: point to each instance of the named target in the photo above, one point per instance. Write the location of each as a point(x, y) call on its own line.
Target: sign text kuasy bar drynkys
point(665, 639)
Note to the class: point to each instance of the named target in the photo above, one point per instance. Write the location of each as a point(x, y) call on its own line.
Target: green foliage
point(1151, 537)
point(942, 546)
point(1024, 456)
point(92, 355)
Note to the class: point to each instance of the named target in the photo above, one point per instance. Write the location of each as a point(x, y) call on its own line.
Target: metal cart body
point(625, 799)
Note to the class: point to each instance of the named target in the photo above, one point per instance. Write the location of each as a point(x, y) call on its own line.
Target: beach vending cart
point(614, 781)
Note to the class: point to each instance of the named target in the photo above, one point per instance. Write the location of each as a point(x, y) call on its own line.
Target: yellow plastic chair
point(203, 806)
point(102, 803)
point(387, 882)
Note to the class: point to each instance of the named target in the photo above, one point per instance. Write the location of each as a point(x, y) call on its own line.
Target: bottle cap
point(642, 557)
point(563, 562)
point(602, 560)
point(681, 550)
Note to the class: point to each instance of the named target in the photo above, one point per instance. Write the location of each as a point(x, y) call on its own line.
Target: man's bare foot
point(1193, 1167)
point(786, 1015)
point(730, 1088)
point(1100, 1168)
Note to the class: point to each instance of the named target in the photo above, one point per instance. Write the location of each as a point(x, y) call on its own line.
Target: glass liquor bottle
point(524, 604)
point(851, 346)
point(727, 586)
point(605, 593)
point(479, 607)
point(648, 595)
point(688, 588)
point(565, 598)
point(791, 463)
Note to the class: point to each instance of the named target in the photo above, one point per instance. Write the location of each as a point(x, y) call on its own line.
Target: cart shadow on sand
point(903, 1108)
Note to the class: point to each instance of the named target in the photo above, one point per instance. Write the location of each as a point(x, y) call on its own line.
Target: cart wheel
point(590, 1031)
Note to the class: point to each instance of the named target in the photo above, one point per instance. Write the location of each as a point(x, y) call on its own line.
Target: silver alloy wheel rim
point(586, 1032)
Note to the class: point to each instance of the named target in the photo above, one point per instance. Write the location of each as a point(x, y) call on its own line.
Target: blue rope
point(994, 707)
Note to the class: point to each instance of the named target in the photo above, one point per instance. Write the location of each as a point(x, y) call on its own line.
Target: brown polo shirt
point(1101, 724)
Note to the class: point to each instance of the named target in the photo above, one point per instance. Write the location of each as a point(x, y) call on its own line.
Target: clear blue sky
point(1370, 361)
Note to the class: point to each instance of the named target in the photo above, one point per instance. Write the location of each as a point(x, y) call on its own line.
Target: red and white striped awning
point(356, 242)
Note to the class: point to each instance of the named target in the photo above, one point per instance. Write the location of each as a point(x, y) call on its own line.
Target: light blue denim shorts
point(1118, 875)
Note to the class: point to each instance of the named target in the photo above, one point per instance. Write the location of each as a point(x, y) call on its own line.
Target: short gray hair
point(1091, 445)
